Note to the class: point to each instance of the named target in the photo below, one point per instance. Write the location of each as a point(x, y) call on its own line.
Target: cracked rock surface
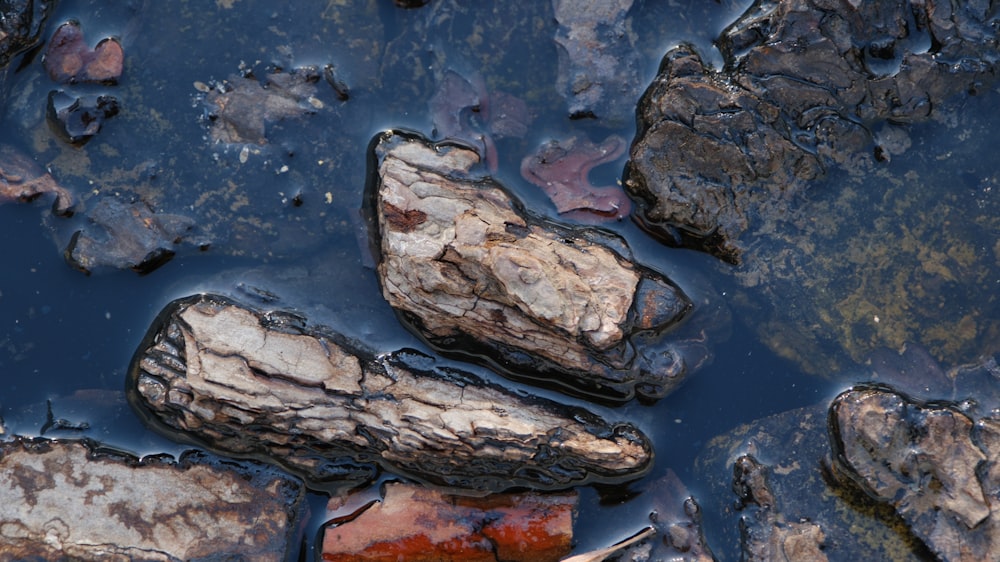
point(255, 384)
point(62, 500)
point(474, 274)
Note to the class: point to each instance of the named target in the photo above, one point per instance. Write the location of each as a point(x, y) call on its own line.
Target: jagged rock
point(265, 385)
point(74, 500)
point(720, 152)
point(935, 464)
point(413, 523)
point(474, 274)
point(21, 179)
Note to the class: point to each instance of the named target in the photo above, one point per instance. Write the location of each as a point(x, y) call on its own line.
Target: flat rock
point(22, 179)
point(473, 273)
point(73, 500)
point(417, 524)
point(264, 384)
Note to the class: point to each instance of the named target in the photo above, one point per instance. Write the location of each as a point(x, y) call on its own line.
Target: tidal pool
point(282, 218)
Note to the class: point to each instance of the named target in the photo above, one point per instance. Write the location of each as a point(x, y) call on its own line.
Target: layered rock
point(473, 273)
point(73, 500)
point(259, 384)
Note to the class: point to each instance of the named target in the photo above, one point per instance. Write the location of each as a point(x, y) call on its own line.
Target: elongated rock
point(476, 275)
point(256, 384)
point(69, 500)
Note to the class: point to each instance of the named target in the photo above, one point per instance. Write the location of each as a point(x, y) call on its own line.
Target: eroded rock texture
point(21, 179)
point(257, 384)
point(473, 273)
point(937, 466)
point(62, 500)
point(804, 84)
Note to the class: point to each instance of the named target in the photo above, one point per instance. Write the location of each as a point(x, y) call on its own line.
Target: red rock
point(419, 524)
point(69, 59)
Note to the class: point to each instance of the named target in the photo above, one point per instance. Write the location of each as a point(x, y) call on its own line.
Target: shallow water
point(62, 331)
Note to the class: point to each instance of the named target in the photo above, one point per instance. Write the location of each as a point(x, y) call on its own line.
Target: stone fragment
point(598, 59)
point(418, 524)
point(932, 462)
point(241, 108)
point(68, 58)
point(266, 385)
point(78, 119)
point(475, 275)
point(126, 235)
point(721, 153)
point(562, 171)
point(21, 179)
point(620, 550)
point(73, 500)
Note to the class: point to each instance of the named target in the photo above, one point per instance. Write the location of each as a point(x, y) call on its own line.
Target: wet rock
point(634, 549)
point(126, 235)
point(68, 58)
point(474, 274)
point(771, 495)
point(413, 523)
point(241, 108)
point(598, 60)
point(21, 179)
point(805, 81)
point(21, 23)
point(562, 171)
point(933, 463)
point(266, 385)
point(74, 500)
point(78, 119)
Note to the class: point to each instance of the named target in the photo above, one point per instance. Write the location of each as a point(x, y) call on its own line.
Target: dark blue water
point(66, 338)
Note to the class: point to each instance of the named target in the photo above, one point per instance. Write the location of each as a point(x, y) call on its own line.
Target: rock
point(124, 235)
point(718, 153)
point(78, 119)
point(770, 493)
point(240, 108)
point(21, 179)
point(562, 171)
point(598, 60)
point(69, 60)
point(75, 500)
point(21, 23)
point(476, 276)
point(266, 385)
point(936, 465)
point(413, 523)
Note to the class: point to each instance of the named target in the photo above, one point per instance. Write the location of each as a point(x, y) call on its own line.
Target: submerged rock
point(68, 58)
point(719, 152)
point(936, 465)
point(76, 120)
point(21, 179)
point(413, 523)
point(127, 235)
point(598, 60)
point(474, 274)
point(265, 385)
point(74, 500)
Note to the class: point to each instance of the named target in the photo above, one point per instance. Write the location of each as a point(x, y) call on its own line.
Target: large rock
point(938, 466)
point(472, 272)
point(266, 385)
point(62, 500)
point(804, 82)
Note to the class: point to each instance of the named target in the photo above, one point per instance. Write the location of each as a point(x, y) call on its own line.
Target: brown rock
point(474, 274)
point(68, 58)
point(73, 500)
point(241, 108)
point(21, 179)
point(933, 463)
point(256, 384)
point(417, 524)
